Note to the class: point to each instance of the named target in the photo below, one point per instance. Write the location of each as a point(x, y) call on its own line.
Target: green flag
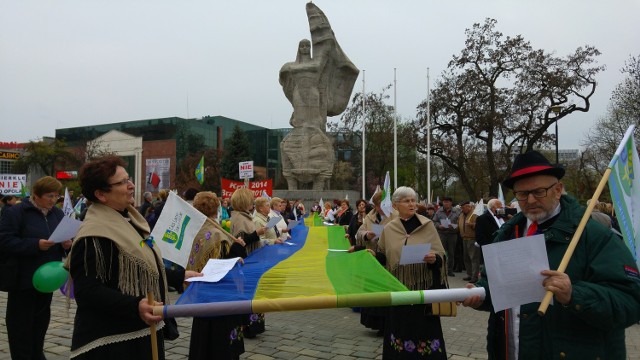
point(200, 170)
point(624, 184)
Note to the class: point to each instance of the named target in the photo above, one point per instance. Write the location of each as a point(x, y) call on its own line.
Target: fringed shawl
point(138, 266)
point(242, 222)
point(413, 276)
point(211, 242)
point(367, 225)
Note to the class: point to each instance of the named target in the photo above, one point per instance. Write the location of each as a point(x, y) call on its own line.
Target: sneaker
point(467, 278)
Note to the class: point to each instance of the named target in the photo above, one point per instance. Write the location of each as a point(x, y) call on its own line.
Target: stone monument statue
point(317, 86)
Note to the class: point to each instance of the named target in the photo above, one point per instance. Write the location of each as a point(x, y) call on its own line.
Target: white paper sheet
point(447, 223)
point(272, 222)
point(414, 254)
point(215, 270)
point(66, 229)
point(513, 271)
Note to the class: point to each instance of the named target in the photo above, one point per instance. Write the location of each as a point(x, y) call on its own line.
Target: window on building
point(6, 167)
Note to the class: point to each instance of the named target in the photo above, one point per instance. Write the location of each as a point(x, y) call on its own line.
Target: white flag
point(501, 195)
point(176, 229)
point(321, 204)
point(375, 192)
point(67, 206)
point(479, 210)
point(385, 204)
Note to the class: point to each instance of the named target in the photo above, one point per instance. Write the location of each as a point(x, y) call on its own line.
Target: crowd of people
point(114, 266)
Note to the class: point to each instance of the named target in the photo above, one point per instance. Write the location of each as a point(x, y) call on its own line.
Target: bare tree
point(495, 99)
point(624, 110)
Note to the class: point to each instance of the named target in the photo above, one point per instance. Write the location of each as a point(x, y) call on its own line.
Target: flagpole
point(576, 238)
point(364, 123)
point(152, 328)
point(428, 138)
point(434, 296)
point(395, 132)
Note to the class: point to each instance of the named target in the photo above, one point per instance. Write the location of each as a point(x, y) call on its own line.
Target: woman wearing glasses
point(24, 232)
point(114, 265)
point(411, 331)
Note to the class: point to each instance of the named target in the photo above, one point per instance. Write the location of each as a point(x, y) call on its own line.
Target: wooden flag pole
point(576, 237)
point(154, 335)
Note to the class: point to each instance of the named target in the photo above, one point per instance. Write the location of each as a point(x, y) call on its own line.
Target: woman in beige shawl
point(218, 337)
point(412, 331)
point(114, 265)
point(242, 226)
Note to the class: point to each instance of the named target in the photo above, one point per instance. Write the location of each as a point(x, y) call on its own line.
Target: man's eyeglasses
point(121, 182)
point(538, 193)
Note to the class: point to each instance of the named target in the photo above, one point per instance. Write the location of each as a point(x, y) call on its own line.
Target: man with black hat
point(593, 301)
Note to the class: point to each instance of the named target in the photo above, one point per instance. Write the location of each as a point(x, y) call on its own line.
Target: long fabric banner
point(311, 271)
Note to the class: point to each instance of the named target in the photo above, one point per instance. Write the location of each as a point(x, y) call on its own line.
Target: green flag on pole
point(200, 170)
point(624, 184)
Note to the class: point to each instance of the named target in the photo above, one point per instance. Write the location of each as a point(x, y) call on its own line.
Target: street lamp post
point(557, 109)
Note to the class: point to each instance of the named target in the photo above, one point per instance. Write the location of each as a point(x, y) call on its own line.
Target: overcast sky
point(73, 63)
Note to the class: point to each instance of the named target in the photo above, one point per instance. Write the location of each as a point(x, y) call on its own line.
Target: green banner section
point(358, 272)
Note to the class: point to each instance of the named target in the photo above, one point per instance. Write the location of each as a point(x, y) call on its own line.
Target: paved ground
point(305, 335)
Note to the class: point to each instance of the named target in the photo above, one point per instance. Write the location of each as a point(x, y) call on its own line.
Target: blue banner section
point(242, 281)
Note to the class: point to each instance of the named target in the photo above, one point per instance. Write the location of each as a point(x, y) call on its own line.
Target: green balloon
point(50, 276)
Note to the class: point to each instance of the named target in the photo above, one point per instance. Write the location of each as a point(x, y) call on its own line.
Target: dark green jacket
point(605, 298)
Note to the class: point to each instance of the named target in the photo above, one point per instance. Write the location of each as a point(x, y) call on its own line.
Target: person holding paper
point(217, 337)
point(412, 331)
point(593, 301)
point(114, 265)
point(446, 222)
point(242, 226)
point(25, 229)
point(261, 218)
point(277, 207)
point(367, 238)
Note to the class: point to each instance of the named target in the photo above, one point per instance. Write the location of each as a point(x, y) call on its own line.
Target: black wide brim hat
point(529, 164)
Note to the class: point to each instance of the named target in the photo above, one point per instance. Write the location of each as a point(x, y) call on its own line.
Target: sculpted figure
point(316, 86)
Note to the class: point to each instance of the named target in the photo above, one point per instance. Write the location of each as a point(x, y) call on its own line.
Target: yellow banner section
point(301, 275)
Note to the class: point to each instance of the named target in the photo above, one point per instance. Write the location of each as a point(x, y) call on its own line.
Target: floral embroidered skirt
point(218, 337)
point(254, 325)
point(411, 332)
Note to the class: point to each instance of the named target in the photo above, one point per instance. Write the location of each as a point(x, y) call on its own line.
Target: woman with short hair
point(242, 226)
point(218, 337)
point(24, 232)
point(114, 265)
point(411, 331)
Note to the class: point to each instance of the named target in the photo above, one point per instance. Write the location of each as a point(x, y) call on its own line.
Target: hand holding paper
point(66, 229)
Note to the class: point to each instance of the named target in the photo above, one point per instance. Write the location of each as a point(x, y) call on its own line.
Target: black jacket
point(485, 227)
point(21, 228)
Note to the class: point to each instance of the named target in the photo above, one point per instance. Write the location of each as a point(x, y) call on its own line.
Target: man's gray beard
point(536, 217)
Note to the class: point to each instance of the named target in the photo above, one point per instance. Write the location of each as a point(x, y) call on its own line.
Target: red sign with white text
point(229, 186)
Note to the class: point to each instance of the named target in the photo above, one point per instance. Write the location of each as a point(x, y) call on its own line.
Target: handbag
point(9, 277)
point(170, 329)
